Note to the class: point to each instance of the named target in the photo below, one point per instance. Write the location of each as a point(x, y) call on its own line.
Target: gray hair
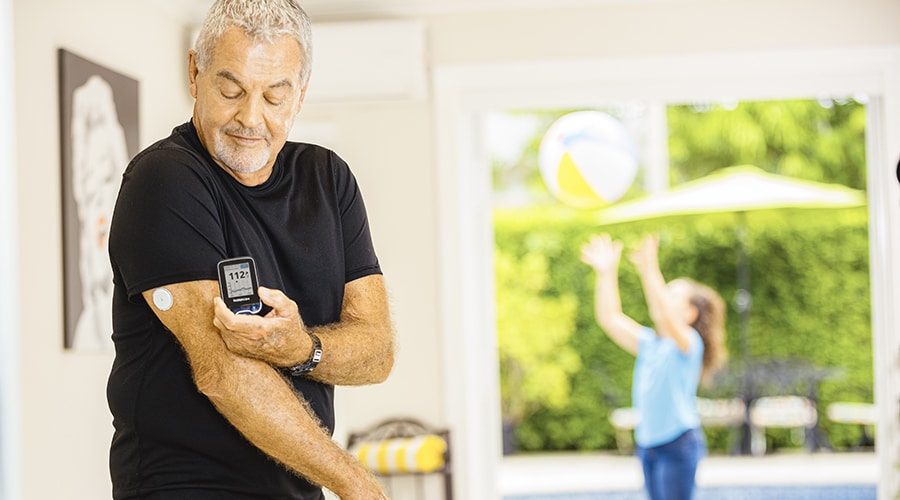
point(263, 20)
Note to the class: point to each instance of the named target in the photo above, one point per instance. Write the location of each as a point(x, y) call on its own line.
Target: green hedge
point(809, 282)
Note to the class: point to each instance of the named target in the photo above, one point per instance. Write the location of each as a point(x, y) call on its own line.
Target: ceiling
point(192, 11)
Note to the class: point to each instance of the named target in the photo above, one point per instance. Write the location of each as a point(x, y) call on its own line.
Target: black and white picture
point(99, 134)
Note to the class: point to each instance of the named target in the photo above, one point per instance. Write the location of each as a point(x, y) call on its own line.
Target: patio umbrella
point(736, 190)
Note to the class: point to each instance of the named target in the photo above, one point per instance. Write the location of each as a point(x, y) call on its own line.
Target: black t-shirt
point(178, 214)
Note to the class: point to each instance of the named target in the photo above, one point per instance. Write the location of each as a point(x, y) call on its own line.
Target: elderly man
point(206, 403)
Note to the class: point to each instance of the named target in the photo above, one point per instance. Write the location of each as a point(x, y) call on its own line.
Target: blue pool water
point(817, 492)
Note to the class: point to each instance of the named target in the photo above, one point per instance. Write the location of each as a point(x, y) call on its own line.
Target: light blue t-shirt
point(664, 389)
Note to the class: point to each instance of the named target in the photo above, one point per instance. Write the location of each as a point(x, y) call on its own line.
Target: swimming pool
point(794, 492)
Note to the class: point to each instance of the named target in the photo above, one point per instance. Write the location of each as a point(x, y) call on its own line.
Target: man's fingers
point(244, 324)
point(282, 305)
point(222, 314)
point(276, 299)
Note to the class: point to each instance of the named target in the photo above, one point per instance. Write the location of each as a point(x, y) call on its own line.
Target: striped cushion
point(402, 455)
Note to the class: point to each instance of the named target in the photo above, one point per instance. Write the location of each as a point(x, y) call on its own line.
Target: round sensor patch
point(162, 299)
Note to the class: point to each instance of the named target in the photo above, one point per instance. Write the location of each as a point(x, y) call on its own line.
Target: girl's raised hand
point(646, 255)
point(602, 253)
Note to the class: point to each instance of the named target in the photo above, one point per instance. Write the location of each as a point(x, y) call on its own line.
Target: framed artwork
point(98, 135)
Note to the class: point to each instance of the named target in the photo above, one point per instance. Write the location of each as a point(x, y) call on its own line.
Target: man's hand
point(278, 338)
point(363, 487)
point(358, 349)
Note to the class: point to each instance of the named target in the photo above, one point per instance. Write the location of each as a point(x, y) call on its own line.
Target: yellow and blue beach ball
point(588, 159)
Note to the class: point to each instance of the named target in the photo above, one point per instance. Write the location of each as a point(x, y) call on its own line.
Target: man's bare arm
point(254, 398)
point(360, 348)
point(357, 350)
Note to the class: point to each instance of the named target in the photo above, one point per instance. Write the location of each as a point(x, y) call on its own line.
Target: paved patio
point(575, 472)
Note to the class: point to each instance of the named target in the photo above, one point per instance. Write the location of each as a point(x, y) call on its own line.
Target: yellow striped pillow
point(402, 455)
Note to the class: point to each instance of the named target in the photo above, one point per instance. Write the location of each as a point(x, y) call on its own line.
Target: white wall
point(661, 27)
point(389, 148)
point(65, 425)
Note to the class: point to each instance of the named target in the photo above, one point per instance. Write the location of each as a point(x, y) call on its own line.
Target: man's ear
point(192, 72)
point(692, 314)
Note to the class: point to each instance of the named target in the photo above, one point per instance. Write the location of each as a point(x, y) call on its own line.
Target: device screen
point(238, 283)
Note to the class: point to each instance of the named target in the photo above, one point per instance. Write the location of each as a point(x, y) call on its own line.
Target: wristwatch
point(314, 358)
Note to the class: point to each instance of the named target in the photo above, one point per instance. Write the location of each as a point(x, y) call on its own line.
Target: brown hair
point(710, 324)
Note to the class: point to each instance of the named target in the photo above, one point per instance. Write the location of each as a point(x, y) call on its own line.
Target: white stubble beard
point(239, 160)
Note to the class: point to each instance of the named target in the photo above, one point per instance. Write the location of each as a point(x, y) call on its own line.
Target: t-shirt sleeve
point(166, 226)
point(359, 252)
point(646, 338)
point(696, 345)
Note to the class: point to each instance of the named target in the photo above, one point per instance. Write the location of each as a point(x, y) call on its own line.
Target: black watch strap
point(314, 358)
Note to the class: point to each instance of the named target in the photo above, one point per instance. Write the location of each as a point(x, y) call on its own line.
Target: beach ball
point(588, 159)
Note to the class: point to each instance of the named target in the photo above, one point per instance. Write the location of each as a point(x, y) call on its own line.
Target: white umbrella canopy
point(734, 189)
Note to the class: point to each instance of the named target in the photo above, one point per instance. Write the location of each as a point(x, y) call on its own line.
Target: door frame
point(463, 93)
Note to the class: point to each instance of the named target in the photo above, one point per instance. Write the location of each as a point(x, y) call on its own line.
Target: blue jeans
point(669, 469)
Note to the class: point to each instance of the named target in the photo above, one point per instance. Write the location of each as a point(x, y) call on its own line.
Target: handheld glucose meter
point(238, 285)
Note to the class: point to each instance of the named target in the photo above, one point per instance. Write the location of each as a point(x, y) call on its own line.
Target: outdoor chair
point(789, 412)
point(624, 420)
point(713, 413)
point(863, 414)
point(405, 447)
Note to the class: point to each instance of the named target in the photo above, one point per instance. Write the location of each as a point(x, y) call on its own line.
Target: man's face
point(246, 101)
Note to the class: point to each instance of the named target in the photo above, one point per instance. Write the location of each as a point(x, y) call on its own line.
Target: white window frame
point(463, 93)
point(10, 451)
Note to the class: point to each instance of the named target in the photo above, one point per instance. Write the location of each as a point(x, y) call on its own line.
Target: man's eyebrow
point(283, 83)
point(228, 75)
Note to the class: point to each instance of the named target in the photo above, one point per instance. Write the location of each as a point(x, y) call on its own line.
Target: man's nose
point(250, 112)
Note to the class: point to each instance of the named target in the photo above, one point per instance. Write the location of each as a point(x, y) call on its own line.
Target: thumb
point(273, 298)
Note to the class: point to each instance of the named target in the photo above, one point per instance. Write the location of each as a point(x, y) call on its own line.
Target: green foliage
point(820, 141)
point(534, 326)
point(810, 292)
